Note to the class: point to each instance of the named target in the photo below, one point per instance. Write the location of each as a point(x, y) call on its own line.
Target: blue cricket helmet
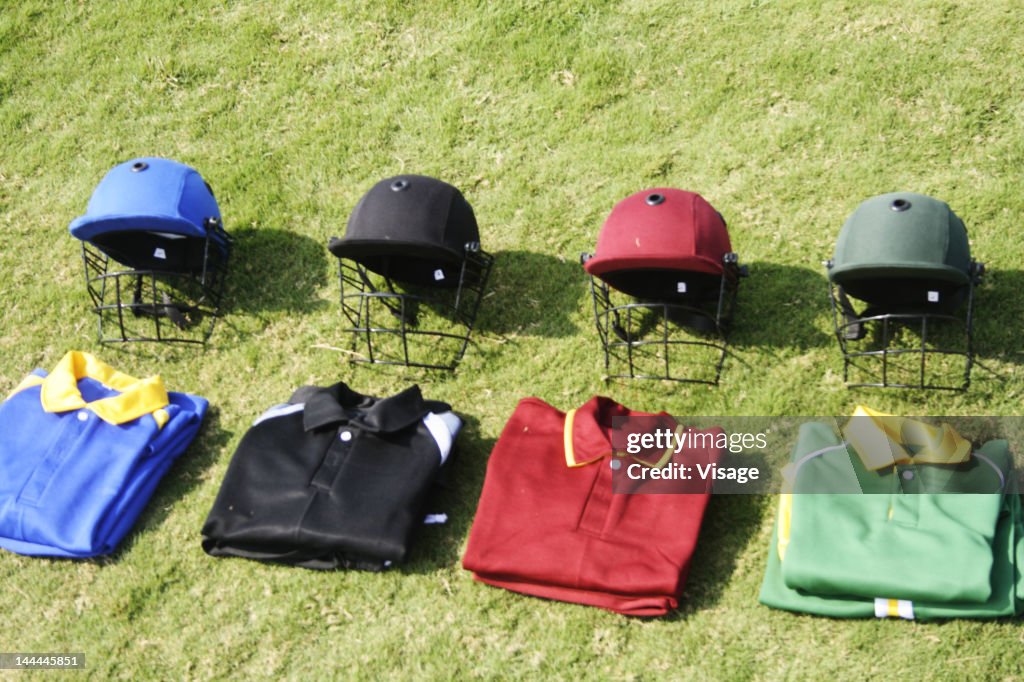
point(153, 213)
point(154, 251)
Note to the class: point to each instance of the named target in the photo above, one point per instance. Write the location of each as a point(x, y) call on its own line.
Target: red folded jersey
point(549, 525)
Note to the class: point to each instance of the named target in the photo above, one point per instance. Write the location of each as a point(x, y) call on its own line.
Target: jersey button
point(82, 416)
point(345, 436)
point(908, 475)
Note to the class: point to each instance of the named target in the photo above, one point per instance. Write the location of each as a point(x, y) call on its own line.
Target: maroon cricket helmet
point(662, 243)
point(664, 279)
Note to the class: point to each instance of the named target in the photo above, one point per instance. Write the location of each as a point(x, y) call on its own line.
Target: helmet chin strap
point(853, 330)
point(409, 317)
point(175, 312)
point(672, 312)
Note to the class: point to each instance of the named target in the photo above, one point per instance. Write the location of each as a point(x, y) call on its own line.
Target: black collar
point(338, 404)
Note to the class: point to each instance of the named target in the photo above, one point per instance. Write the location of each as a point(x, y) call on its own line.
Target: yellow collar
point(882, 440)
point(59, 392)
point(586, 434)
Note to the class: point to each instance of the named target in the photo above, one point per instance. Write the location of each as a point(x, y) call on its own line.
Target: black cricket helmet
point(412, 273)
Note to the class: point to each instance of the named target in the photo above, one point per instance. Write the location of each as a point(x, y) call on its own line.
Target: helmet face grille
point(168, 306)
point(667, 339)
point(413, 325)
point(911, 349)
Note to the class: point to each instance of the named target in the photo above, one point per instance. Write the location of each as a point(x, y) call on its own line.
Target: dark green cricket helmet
point(903, 249)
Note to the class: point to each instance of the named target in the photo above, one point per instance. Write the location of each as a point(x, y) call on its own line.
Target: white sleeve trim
point(999, 472)
point(279, 411)
point(818, 453)
point(443, 427)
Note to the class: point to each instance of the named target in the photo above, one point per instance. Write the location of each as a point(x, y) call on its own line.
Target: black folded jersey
point(333, 479)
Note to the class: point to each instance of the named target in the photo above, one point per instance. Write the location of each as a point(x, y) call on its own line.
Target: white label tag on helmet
point(438, 275)
point(160, 253)
point(680, 287)
point(933, 297)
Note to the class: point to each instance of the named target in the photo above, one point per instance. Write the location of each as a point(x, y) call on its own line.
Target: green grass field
point(784, 114)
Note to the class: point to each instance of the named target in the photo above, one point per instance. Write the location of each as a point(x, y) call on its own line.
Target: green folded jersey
point(900, 548)
point(1005, 598)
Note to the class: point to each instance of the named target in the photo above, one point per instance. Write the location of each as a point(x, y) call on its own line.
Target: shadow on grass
point(998, 310)
point(440, 546)
point(781, 306)
point(527, 294)
point(274, 269)
point(184, 475)
point(730, 524)
point(533, 294)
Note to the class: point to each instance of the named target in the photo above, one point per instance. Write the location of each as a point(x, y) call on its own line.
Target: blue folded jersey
point(81, 451)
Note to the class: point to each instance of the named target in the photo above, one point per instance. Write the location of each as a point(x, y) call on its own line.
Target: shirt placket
point(904, 503)
point(72, 430)
point(337, 453)
point(598, 502)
